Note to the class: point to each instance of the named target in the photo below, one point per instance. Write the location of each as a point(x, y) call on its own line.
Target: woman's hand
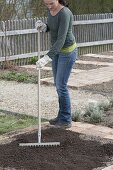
point(39, 25)
point(43, 61)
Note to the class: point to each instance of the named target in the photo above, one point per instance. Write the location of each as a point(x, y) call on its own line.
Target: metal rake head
point(40, 144)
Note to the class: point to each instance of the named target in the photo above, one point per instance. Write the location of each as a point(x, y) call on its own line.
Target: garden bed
point(103, 88)
point(75, 152)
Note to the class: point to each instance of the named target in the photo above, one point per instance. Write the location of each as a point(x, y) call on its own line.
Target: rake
point(39, 143)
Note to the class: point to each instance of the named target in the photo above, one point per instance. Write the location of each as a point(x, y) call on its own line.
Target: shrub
point(76, 116)
point(96, 116)
point(111, 102)
point(93, 114)
point(104, 106)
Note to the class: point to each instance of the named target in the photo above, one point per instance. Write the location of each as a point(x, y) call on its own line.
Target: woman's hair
point(63, 2)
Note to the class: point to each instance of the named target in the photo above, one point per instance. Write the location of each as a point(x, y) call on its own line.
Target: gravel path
point(22, 98)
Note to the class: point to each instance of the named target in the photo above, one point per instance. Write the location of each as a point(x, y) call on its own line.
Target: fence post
point(4, 40)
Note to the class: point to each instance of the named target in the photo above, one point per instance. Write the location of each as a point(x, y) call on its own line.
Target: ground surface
point(108, 118)
point(73, 153)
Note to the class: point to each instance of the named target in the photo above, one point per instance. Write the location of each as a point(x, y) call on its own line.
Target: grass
point(11, 122)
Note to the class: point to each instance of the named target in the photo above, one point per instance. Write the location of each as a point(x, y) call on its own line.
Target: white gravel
point(22, 98)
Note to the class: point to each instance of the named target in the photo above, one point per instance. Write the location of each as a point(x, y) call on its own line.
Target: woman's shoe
point(62, 125)
point(53, 121)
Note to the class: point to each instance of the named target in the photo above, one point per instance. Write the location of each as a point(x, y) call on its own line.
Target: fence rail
point(19, 38)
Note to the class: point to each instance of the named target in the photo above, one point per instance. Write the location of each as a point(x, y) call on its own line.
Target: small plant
point(33, 60)
point(104, 106)
point(89, 110)
point(76, 116)
point(20, 77)
point(96, 116)
point(93, 114)
point(9, 75)
point(111, 102)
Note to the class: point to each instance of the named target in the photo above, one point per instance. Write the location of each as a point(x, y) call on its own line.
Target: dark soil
point(103, 88)
point(86, 66)
point(87, 58)
point(74, 153)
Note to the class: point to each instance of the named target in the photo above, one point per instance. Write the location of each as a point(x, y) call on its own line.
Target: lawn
point(11, 122)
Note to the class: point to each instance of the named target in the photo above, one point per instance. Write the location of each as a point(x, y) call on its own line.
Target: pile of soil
point(74, 153)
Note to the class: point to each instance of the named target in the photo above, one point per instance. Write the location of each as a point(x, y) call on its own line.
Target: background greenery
point(77, 7)
point(35, 8)
point(91, 6)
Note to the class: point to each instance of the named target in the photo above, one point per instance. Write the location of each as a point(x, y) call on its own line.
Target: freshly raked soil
point(74, 153)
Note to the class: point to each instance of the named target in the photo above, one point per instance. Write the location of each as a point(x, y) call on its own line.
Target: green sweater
point(60, 27)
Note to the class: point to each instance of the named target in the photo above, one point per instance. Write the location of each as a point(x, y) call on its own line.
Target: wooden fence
point(19, 38)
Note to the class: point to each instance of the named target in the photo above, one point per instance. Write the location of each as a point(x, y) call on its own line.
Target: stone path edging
point(108, 168)
point(89, 77)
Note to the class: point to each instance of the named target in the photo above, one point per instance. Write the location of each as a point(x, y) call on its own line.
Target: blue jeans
point(62, 65)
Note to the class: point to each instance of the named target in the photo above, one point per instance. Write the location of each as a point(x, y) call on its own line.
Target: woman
point(63, 54)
